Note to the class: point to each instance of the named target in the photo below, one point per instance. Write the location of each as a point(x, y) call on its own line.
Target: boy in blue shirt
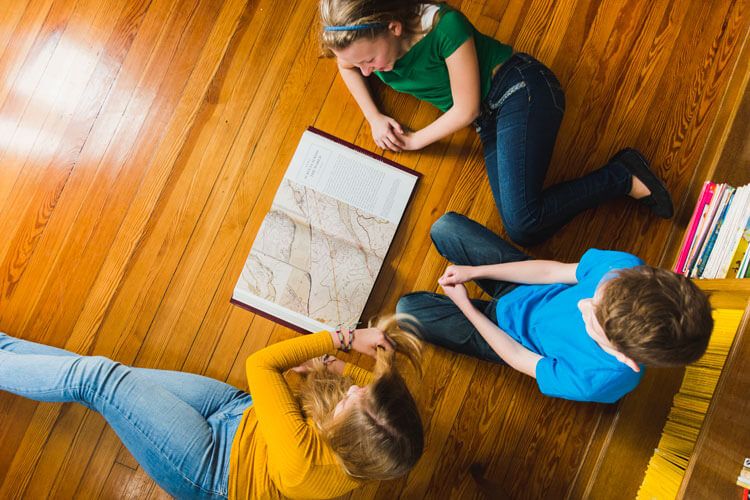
point(584, 331)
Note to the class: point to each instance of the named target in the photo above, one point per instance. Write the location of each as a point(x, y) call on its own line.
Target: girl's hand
point(368, 340)
point(455, 275)
point(410, 141)
point(387, 133)
point(306, 367)
point(458, 294)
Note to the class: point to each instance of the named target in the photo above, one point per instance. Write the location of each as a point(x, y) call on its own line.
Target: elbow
point(253, 364)
point(470, 115)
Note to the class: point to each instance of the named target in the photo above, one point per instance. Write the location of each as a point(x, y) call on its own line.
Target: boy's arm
point(529, 272)
point(463, 72)
point(509, 350)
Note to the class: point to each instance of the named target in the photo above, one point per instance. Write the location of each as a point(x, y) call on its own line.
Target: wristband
point(351, 338)
point(342, 342)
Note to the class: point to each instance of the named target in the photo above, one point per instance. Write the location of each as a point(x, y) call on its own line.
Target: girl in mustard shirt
point(201, 438)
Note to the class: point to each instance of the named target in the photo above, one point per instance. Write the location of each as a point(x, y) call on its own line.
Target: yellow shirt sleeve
point(291, 441)
point(360, 376)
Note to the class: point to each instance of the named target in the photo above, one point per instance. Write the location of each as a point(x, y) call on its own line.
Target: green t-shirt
point(422, 71)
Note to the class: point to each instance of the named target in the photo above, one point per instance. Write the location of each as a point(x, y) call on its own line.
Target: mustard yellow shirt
point(277, 452)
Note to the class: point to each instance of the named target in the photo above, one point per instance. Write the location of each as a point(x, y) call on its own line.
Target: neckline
point(400, 60)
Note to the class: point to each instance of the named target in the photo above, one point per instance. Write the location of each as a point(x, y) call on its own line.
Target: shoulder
point(600, 262)
point(450, 20)
point(598, 382)
point(611, 384)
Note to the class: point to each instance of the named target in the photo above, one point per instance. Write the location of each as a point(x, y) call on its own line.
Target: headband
point(352, 27)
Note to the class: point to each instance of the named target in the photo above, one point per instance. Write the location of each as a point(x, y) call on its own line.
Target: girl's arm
point(280, 418)
point(509, 350)
point(463, 71)
point(386, 131)
point(530, 272)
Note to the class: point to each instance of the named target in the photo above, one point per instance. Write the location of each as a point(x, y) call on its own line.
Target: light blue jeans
point(178, 426)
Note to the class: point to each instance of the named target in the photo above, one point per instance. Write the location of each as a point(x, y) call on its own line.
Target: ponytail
point(382, 437)
point(404, 343)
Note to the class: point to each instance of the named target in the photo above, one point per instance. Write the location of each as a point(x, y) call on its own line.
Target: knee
point(99, 372)
point(447, 226)
point(523, 231)
point(408, 305)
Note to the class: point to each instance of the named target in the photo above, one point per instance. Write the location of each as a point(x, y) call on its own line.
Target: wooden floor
point(141, 143)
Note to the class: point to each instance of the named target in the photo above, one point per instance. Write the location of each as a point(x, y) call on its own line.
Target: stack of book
point(717, 239)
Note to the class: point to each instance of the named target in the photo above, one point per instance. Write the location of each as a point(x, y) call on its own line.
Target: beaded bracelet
point(342, 342)
point(351, 338)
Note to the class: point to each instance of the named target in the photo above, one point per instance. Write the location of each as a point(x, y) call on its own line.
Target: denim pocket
point(236, 408)
point(555, 89)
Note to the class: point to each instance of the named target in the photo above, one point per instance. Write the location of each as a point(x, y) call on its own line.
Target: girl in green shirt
point(433, 52)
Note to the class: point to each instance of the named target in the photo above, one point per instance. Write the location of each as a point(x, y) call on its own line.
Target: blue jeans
point(467, 243)
point(178, 426)
point(518, 126)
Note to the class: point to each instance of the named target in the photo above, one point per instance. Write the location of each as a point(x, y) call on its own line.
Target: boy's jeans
point(463, 242)
point(518, 126)
point(178, 426)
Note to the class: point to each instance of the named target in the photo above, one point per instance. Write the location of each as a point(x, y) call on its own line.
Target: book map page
point(316, 255)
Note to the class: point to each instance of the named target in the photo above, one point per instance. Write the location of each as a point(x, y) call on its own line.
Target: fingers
point(395, 139)
point(392, 144)
point(396, 126)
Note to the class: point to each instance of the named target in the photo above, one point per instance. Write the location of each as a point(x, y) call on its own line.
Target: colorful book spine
point(698, 214)
point(703, 229)
point(734, 233)
point(740, 252)
point(700, 265)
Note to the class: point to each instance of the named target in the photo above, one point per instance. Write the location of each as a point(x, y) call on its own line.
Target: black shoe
point(659, 201)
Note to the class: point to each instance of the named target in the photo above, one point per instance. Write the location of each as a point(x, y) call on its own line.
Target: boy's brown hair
point(655, 317)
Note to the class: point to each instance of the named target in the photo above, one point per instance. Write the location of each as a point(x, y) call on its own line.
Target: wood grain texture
point(142, 141)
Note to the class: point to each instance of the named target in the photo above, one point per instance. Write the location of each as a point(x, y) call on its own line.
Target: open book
point(320, 248)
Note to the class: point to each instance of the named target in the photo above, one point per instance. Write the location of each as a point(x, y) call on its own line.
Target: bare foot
point(639, 189)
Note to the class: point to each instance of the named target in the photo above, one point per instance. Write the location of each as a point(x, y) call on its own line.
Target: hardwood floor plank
point(9, 19)
point(23, 117)
point(22, 41)
point(69, 122)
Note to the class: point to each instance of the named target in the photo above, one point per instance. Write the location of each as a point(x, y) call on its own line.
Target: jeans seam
point(552, 92)
point(155, 445)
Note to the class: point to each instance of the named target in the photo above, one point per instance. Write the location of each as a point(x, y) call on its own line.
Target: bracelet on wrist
point(342, 341)
point(351, 338)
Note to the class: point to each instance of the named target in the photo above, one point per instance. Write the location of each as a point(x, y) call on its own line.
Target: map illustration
point(316, 255)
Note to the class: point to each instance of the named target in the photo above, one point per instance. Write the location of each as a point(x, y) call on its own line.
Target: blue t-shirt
point(546, 320)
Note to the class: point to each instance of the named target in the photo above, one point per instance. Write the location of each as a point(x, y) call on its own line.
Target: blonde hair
point(377, 13)
point(380, 437)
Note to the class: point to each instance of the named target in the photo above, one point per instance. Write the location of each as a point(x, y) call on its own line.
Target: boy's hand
point(457, 293)
point(455, 275)
point(368, 340)
point(387, 133)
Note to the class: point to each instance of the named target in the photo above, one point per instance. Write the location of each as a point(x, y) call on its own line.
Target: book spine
point(703, 199)
point(728, 222)
point(744, 266)
point(739, 229)
point(703, 229)
point(703, 259)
